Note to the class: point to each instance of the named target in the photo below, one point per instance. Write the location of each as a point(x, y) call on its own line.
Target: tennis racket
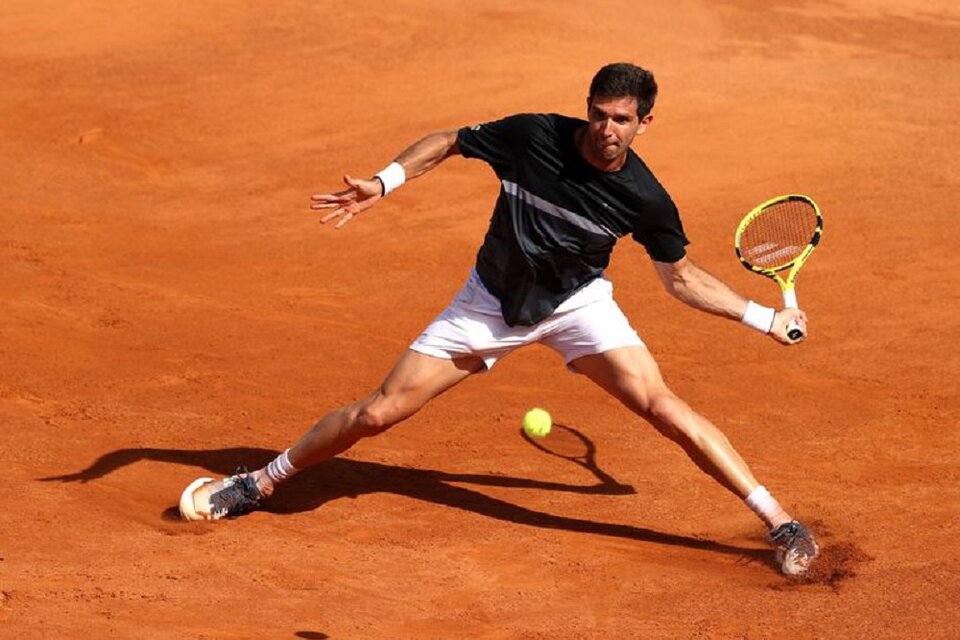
point(777, 235)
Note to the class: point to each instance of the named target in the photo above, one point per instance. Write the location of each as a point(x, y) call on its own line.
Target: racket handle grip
point(790, 299)
point(794, 331)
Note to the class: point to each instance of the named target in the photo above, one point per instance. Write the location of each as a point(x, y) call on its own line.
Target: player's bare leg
point(415, 380)
point(631, 375)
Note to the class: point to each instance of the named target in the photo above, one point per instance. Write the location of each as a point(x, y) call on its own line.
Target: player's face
point(612, 124)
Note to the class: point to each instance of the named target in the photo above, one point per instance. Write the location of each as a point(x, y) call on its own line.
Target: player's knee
point(675, 419)
point(654, 404)
point(664, 406)
point(374, 418)
point(378, 414)
point(668, 413)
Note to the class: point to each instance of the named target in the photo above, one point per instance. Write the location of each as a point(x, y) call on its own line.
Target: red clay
point(170, 308)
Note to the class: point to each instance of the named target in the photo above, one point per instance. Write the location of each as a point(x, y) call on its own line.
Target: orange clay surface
point(171, 308)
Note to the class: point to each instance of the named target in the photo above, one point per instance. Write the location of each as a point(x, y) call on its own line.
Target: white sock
point(280, 468)
point(766, 507)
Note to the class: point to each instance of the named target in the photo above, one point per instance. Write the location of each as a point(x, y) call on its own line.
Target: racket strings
point(779, 234)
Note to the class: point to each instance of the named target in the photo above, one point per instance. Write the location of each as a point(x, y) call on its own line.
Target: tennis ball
point(537, 423)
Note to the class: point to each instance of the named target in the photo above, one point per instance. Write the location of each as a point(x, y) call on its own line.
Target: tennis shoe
point(209, 499)
point(796, 548)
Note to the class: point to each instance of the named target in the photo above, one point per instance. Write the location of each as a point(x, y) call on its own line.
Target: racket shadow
point(341, 478)
point(568, 443)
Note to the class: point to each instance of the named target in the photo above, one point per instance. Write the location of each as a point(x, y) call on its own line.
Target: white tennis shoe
point(796, 548)
point(209, 499)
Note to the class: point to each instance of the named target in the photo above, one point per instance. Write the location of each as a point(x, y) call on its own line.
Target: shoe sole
point(796, 566)
point(188, 508)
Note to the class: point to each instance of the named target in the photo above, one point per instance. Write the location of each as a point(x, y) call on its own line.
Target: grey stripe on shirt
point(549, 208)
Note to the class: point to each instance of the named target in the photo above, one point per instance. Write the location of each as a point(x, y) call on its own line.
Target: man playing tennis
point(569, 190)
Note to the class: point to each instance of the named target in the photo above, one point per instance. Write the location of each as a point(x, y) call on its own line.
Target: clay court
point(170, 308)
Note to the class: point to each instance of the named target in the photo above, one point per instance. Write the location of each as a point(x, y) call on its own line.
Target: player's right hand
point(359, 196)
point(781, 324)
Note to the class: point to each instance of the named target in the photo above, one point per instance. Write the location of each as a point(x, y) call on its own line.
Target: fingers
point(330, 216)
point(327, 205)
point(344, 212)
point(801, 319)
point(340, 202)
point(344, 218)
point(346, 204)
point(328, 200)
point(786, 320)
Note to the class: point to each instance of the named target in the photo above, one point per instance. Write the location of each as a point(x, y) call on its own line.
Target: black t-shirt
point(558, 218)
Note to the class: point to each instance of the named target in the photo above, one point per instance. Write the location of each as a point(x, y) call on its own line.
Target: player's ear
point(645, 122)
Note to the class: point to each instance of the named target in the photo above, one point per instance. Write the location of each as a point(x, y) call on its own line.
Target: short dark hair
point(622, 80)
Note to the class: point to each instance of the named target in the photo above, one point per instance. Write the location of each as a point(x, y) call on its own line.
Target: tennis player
point(569, 189)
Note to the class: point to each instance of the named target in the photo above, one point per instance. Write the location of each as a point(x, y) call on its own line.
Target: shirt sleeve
point(497, 143)
point(662, 234)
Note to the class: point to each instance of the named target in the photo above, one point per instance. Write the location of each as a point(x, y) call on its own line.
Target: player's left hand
point(782, 320)
point(357, 198)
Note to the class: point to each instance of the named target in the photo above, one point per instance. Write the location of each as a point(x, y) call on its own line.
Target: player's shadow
point(339, 478)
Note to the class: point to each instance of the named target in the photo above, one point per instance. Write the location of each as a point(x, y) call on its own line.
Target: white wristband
point(759, 317)
point(392, 177)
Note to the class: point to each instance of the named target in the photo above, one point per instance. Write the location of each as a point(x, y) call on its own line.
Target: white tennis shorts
point(588, 322)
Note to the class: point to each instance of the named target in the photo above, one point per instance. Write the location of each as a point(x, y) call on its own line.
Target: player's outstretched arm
point(701, 290)
point(360, 195)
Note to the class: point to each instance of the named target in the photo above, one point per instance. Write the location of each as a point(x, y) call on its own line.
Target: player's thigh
point(417, 378)
point(629, 374)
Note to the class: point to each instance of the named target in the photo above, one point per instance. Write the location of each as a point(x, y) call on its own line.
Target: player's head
point(618, 108)
point(624, 80)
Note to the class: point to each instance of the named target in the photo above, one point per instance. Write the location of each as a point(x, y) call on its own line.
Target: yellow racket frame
point(787, 285)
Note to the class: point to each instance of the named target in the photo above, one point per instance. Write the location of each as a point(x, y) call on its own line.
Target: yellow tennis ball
point(537, 423)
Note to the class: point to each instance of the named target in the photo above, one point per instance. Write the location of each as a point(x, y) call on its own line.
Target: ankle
point(264, 484)
point(767, 508)
point(778, 521)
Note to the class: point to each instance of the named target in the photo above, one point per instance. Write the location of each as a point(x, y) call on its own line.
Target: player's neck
point(582, 143)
